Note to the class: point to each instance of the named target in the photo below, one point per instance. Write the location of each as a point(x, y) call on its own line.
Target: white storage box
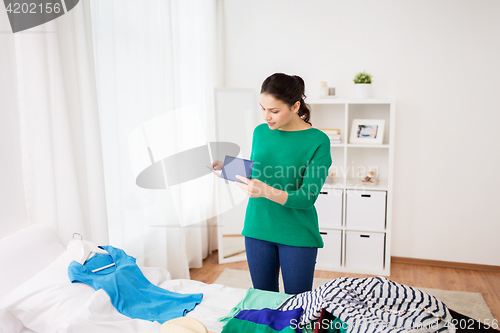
point(329, 208)
point(365, 209)
point(330, 254)
point(364, 250)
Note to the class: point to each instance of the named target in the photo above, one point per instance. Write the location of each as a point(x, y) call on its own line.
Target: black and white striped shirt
point(373, 305)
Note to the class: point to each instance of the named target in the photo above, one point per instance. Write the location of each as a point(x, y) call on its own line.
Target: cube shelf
point(355, 219)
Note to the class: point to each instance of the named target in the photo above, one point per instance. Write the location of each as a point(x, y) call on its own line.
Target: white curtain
point(156, 67)
point(53, 116)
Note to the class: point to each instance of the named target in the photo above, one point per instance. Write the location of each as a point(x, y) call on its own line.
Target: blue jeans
point(297, 265)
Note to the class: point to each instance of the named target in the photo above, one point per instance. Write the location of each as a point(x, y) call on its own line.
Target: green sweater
point(296, 162)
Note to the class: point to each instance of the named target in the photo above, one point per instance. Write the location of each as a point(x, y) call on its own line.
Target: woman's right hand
point(217, 165)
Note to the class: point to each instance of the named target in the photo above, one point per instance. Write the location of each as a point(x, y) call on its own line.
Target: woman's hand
point(253, 187)
point(217, 165)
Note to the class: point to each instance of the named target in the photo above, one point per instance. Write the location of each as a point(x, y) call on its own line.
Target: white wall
point(440, 61)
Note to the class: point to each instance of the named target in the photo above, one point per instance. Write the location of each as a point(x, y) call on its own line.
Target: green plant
point(363, 77)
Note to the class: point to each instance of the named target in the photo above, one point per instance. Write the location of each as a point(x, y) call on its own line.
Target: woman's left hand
point(253, 187)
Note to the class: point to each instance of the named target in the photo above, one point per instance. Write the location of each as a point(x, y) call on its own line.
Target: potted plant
point(362, 85)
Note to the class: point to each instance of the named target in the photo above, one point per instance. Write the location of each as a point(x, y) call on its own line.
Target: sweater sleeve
point(314, 177)
point(254, 142)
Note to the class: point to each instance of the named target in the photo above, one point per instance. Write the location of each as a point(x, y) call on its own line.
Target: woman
point(291, 164)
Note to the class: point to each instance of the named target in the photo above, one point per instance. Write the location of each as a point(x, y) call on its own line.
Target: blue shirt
point(129, 290)
point(264, 321)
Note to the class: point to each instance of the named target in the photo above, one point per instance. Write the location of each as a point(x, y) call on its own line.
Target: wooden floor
point(486, 283)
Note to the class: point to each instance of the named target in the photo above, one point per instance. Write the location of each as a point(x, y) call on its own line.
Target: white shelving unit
point(349, 247)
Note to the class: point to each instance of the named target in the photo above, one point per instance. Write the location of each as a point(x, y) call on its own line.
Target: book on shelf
point(330, 131)
point(333, 134)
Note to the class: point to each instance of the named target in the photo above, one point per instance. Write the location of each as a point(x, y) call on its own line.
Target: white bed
point(37, 296)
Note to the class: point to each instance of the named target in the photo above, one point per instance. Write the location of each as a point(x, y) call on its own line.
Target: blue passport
point(236, 166)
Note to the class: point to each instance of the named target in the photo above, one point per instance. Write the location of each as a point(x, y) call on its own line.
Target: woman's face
point(275, 112)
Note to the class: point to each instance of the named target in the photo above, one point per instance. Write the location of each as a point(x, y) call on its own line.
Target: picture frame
point(367, 131)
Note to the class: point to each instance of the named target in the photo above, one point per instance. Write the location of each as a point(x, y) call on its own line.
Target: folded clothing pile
point(257, 313)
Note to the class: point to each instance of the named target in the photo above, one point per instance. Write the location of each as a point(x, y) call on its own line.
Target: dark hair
point(288, 89)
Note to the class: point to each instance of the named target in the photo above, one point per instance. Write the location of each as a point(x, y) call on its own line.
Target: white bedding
point(98, 315)
point(38, 298)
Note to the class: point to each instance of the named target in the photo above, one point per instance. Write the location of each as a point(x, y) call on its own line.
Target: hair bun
point(302, 85)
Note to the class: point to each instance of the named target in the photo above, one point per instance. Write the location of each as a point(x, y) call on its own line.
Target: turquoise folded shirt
point(257, 300)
